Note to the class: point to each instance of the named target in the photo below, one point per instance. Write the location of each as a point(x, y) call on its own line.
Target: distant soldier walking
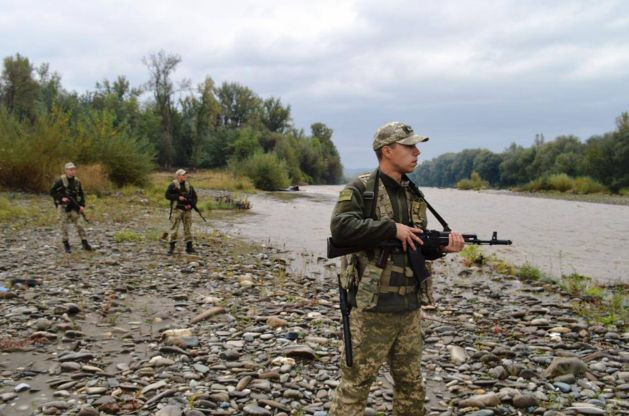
point(70, 203)
point(182, 195)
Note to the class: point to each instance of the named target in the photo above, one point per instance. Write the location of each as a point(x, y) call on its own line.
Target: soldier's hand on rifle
point(188, 207)
point(455, 243)
point(65, 200)
point(81, 209)
point(408, 236)
point(182, 198)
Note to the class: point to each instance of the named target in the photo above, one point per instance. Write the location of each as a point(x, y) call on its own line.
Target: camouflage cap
point(180, 172)
point(69, 165)
point(396, 132)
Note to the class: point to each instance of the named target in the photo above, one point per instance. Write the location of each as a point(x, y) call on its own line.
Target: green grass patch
point(472, 255)
point(127, 235)
point(529, 272)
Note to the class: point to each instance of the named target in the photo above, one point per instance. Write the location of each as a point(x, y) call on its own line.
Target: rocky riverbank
point(232, 331)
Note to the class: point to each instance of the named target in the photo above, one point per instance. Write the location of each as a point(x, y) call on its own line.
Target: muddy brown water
point(557, 236)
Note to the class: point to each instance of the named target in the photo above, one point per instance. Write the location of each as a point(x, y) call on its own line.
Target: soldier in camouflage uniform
point(70, 202)
point(182, 195)
point(385, 322)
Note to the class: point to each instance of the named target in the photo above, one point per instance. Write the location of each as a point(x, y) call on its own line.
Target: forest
point(129, 131)
point(600, 164)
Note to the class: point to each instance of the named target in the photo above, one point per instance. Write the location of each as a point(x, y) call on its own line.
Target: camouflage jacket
point(64, 187)
point(393, 288)
point(177, 188)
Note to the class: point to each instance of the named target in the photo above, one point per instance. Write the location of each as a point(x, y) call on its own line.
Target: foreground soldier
point(70, 203)
point(184, 197)
point(386, 323)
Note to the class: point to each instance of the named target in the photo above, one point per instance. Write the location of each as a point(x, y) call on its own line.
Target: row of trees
point(604, 158)
point(163, 122)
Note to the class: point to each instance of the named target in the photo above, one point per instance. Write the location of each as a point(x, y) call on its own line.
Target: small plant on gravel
point(472, 255)
point(529, 272)
point(575, 284)
point(127, 235)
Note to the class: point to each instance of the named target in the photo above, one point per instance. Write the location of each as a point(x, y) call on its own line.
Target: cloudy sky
point(466, 73)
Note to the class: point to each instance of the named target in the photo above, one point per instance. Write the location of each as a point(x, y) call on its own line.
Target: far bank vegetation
point(566, 164)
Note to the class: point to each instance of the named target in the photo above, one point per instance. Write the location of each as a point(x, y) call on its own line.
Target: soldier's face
point(71, 172)
point(404, 157)
point(182, 178)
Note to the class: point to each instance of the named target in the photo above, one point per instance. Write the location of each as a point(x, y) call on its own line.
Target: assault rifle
point(76, 206)
point(431, 238)
point(188, 202)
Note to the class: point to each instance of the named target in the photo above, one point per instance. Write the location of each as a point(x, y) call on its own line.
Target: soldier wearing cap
point(182, 195)
point(385, 322)
point(70, 202)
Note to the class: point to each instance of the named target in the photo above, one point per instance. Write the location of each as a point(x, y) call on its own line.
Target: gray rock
point(522, 401)
point(170, 410)
point(481, 400)
point(252, 409)
point(586, 409)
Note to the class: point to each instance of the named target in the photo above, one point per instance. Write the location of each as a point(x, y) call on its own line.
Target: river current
point(556, 236)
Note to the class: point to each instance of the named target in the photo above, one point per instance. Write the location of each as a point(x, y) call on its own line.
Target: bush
point(94, 179)
point(560, 182)
point(475, 182)
point(266, 171)
point(587, 185)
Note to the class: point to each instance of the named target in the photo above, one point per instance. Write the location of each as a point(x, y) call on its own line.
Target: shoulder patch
point(345, 195)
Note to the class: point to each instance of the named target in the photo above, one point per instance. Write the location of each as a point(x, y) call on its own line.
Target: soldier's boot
point(171, 250)
point(66, 246)
point(189, 248)
point(86, 245)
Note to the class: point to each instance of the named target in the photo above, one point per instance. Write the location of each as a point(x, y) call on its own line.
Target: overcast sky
point(466, 73)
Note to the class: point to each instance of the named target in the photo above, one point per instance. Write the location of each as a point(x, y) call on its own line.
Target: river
point(556, 236)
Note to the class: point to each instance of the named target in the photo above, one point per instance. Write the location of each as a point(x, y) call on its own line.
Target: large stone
point(300, 351)
point(252, 409)
point(522, 401)
point(481, 401)
point(276, 322)
point(208, 314)
point(586, 409)
point(561, 366)
point(170, 410)
point(457, 354)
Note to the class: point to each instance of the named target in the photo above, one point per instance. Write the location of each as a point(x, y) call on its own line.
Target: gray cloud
point(466, 73)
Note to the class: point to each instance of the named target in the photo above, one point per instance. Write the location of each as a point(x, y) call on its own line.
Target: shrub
point(560, 182)
point(475, 182)
point(587, 185)
point(94, 179)
point(266, 171)
point(539, 184)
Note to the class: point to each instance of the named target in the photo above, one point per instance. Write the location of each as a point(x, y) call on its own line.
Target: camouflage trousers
point(378, 337)
point(185, 217)
point(66, 218)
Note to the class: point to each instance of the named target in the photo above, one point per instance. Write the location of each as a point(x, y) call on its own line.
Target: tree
point(275, 116)
point(161, 66)
point(18, 88)
point(239, 104)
